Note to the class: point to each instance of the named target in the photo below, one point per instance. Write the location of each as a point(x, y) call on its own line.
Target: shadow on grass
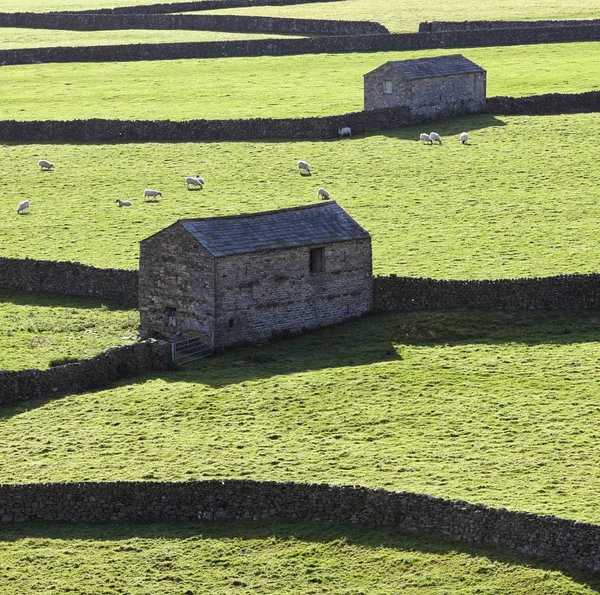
point(359, 536)
point(56, 300)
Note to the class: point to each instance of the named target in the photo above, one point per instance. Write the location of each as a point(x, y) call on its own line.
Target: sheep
point(322, 193)
point(124, 203)
point(148, 193)
point(435, 138)
point(464, 137)
point(197, 181)
point(345, 131)
point(23, 206)
point(45, 165)
point(425, 139)
point(303, 166)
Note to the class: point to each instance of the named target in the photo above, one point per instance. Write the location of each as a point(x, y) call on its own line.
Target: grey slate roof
point(433, 67)
point(318, 224)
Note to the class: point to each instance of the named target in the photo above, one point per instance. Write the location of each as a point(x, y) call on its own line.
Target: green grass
point(289, 86)
point(37, 328)
point(488, 407)
point(406, 15)
point(518, 201)
point(264, 559)
point(30, 38)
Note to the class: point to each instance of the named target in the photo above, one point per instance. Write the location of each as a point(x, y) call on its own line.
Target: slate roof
point(318, 224)
point(422, 68)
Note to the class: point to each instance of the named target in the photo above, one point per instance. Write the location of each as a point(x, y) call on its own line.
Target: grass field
point(37, 328)
point(264, 559)
point(289, 86)
point(516, 202)
point(488, 407)
point(29, 38)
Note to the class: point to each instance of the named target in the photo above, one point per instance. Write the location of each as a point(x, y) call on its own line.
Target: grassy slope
point(516, 202)
point(488, 407)
point(405, 15)
point(24, 38)
point(36, 328)
point(290, 86)
point(264, 559)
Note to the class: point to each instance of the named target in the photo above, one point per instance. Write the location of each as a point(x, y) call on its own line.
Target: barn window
point(171, 316)
point(388, 87)
point(317, 260)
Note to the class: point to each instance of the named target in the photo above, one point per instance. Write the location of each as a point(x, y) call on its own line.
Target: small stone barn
point(245, 278)
point(431, 87)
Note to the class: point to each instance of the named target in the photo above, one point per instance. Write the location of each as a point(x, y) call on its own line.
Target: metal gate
point(190, 349)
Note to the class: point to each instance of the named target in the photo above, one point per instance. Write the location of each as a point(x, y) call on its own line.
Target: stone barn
point(431, 87)
point(245, 278)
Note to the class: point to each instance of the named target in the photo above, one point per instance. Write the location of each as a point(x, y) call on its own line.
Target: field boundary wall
point(437, 26)
point(311, 45)
point(549, 537)
point(68, 278)
point(252, 24)
point(86, 374)
point(563, 292)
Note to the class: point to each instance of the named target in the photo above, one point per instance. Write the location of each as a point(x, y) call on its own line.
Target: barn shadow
point(277, 534)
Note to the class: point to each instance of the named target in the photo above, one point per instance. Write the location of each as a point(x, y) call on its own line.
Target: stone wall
point(549, 537)
point(270, 293)
point(200, 130)
point(68, 278)
point(551, 103)
point(253, 24)
point(313, 45)
point(412, 293)
point(85, 375)
point(437, 26)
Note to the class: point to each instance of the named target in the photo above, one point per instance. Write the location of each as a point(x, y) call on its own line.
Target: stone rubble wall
point(437, 26)
point(551, 103)
point(86, 374)
point(549, 537)
point(68, 278)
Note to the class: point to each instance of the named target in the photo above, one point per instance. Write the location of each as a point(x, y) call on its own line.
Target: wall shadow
point(364, 537)
point(58, 300)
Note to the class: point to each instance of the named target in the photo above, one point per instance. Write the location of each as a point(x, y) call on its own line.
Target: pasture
point(489, 407)
point(38, 328)
point(265, 87)
point(264, 559)
point(515, 202)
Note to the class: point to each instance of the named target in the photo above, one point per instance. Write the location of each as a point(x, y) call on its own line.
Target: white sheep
point(425, 139)
point(149, 193)
point(197, 181)
point(435, 138)
point(23, 206)
point(303, 166)
point(322, 193)
point(45, 164)
point(464, 137)
point(345, 131)
point(124, 203)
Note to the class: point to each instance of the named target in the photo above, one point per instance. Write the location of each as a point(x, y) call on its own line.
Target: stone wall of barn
point(176, 272)
point(272, 293)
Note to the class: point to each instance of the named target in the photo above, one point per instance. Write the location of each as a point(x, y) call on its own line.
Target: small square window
point(317, 260)
point(171, 316)
point(231, 322)
point(388, 87)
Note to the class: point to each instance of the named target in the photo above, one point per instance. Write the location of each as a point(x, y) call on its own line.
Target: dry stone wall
point(412, 293)
point(550, 537)
point(437, 26)
point(551, 103)
point(87, 374)
point(68, 278)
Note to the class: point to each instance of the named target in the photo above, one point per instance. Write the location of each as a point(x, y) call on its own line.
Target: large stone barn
point(431, 87)
point(245, 278)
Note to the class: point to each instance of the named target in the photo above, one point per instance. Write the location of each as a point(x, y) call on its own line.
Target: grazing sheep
point(197, 181)
point(345, 131)
point(148, 193)
point(435, 138)
point(425, 139)
point(124, 203)
point(45, 164)
point(303, 166)
point(322, 193)
point(23, 206)
point(464, 137)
